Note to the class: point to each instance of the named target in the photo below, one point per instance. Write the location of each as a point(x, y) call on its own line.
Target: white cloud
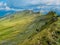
point(7, 8)
point(26, 3)
point(57, 2)
point(1, 3)
point(34, 2)
point(20, 3)
point(37, 1)
point(4, 6)
point(47, 2)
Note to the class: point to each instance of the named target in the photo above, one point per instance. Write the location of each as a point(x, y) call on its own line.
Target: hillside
point(28, 28)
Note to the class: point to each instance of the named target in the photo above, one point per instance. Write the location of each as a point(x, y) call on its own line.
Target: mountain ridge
point(30, 28)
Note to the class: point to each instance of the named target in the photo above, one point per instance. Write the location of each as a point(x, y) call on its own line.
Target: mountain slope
point(28, 28)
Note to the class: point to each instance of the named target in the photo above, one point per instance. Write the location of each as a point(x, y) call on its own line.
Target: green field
point(28, 28)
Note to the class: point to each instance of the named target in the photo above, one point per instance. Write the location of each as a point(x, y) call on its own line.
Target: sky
point(7, 4)
point(19, 5)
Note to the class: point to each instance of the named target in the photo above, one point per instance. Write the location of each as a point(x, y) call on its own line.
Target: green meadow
point(29, 28)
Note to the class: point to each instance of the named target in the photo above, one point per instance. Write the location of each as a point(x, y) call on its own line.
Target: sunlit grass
point(29, 29)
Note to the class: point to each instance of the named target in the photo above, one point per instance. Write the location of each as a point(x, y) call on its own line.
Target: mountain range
point(30, 28)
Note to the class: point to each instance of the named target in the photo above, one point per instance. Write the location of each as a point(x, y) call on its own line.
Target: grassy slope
point(28, 29)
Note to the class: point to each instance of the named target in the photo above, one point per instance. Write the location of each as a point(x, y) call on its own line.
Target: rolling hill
point(29, 28)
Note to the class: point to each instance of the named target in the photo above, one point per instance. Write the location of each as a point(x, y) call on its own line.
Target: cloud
point(57, 2)
point(11, 4)
point(19, 3)
point(4, 6)
point(1, 3)
point(41, 2)
point(47, 2)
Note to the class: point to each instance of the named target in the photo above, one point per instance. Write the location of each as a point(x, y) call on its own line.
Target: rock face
point(30, 29)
